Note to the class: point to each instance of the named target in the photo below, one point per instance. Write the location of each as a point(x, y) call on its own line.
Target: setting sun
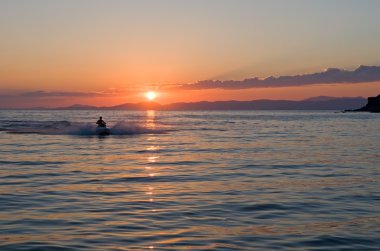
point(151, 95)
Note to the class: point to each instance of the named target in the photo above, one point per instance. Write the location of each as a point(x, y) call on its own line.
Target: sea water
point(241, 180)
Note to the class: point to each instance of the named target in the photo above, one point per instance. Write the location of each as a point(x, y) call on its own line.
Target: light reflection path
point(152, 158)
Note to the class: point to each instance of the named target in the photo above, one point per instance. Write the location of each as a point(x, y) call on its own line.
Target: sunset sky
point(108, 52)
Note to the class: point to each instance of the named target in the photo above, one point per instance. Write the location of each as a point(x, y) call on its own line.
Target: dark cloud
point(42, 94)
point(15, 99)
point(330, 76)
point(52, 94)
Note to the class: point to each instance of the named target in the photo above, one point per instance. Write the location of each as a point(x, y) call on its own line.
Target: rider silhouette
point(101, 122)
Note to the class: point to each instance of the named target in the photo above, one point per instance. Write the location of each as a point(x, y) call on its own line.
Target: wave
point(75, 128)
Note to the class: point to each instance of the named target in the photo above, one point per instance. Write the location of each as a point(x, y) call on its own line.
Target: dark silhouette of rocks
point(373, 105)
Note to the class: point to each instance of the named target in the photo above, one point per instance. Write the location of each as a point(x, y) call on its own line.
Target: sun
point(150, 95)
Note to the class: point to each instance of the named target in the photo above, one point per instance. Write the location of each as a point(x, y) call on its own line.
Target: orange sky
point(165, 97)
point(111, 52)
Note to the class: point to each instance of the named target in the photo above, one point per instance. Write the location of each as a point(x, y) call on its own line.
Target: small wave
point(264, 207)
point(58, 124)
point(31, 163)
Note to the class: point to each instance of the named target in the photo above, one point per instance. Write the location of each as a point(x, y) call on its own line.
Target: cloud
point(17, 99)
point(42, 94)
point(330, 76)
point(63, 94)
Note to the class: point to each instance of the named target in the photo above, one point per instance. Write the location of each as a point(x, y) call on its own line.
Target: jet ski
point(102, 130)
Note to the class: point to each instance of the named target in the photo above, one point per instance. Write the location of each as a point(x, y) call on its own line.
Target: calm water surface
point(189, 181)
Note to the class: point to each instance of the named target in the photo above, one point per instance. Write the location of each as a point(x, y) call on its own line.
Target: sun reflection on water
point(150, 119)
point(151, 161)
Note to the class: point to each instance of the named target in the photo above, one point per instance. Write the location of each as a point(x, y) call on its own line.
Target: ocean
point(226, 180)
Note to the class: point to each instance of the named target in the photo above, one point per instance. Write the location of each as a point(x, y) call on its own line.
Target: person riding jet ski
point(101, 122)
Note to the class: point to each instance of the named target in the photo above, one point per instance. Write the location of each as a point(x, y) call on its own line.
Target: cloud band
point(331, 76)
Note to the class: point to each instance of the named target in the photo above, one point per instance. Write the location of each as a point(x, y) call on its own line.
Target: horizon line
point(151, 104)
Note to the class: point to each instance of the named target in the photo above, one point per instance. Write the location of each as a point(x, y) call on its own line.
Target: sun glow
point(150, 95)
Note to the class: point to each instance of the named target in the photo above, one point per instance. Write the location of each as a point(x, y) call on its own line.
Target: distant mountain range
point(315, 103)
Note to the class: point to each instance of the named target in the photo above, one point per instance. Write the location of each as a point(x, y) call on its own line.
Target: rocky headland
point(373, 105)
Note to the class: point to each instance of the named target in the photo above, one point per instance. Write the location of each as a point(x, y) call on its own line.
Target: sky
point(107, 52)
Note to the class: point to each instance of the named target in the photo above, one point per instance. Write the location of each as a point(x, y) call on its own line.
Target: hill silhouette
point(373, 105)
point(316, 103)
